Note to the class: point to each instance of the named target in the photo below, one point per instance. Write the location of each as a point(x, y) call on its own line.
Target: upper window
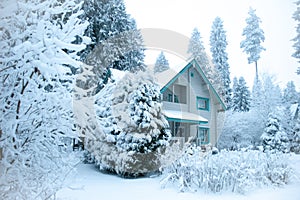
point(176, 94)
point(202, 103)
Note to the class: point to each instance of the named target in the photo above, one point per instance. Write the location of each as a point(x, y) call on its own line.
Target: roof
point(186, 117)
point(166, 78)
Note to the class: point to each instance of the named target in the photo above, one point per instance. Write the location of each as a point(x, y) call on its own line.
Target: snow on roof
point(166, 76)
point(193, 118)
point(293, 109)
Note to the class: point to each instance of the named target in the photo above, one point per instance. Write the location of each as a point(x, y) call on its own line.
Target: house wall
point(197, 87)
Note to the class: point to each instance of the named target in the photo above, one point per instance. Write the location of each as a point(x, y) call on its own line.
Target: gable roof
point(168, 77)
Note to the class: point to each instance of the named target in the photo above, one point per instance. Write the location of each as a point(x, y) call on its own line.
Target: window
point(202, 103)
point(176, 99)
point(177, 94)
point(180, 94)
point(203, 136)
point(170, 97)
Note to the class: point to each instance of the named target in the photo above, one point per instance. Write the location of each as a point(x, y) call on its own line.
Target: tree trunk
point(256, 71)
point(0, 148)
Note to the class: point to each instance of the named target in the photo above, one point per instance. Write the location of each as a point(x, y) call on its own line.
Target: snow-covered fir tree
point(218, 44)
point(197, 51)
point(161, 63)
point(295, 144)
point(254, 36)
point(273, 137)
point(290, 95)
point(296, 17)
point(35, 98)
point(114, 35)
point(257, 92)
point(241, 95)
point(267, 95)
point(132, 128)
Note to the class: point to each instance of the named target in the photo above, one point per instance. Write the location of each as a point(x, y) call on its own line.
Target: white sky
point(183, 15)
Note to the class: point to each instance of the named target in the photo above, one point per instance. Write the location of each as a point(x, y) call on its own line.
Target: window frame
point(200, 138)
point(206, 100)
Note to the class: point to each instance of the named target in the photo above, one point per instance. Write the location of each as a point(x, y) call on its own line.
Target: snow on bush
point(132, 128)
point(235, 171)
point(273, 137)
point(35, 95)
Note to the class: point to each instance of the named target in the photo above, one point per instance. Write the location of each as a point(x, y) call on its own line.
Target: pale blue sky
point(183, 15)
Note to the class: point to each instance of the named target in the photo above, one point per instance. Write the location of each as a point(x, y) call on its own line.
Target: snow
point(91, 184)
point(117, 74)
point(166, 76)
point(184, 116)
point(293, 109)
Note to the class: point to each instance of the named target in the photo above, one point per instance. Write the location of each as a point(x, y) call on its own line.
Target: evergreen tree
point(257, 90)
point(218, 45)
point(35, 99)
point(116, 42)
point(241, 96)
point(161, 63)
point(196, 48)
point(290, 95)
point(132, 128)
point(273, 138)
point(295, 146)
point(296, 45)
point(254, 36)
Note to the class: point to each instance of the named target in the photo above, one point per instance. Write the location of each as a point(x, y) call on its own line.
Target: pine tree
point(295, 146)
point(257, 92)
point(296, 45)
point(290, 95)
point(241, 96)
point(273, 138)
point(254, 36)
point(132, 127)
point(35, 99)
point(196, 48)
point(161, 63)
point(218, 45)
point(116, 41)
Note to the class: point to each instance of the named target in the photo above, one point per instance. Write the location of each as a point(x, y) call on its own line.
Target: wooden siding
point(197, 86)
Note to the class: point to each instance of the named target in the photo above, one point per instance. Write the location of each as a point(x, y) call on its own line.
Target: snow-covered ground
point(93, 185)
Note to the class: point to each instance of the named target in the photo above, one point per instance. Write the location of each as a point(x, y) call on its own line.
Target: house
point(191, 104)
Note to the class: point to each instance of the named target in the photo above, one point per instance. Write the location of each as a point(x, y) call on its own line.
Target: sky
point(182, 16)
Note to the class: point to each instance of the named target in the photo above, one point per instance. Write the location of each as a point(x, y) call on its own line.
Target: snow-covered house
point(191, 104)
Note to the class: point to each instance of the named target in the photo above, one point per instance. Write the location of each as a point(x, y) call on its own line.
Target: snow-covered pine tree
point(114, 35)
point(290, 95)
point(35, 97)
point(235, 88)
point(254, 36)
point(273, 138)
point(241, 96)
point(133, 130)
point(197, 51)
point(296, 45)
point(161, 63)
point(295, 146)
point(257, 92)
point(218, 44)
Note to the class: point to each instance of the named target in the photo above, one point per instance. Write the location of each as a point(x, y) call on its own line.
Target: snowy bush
point(35, 95)
point(274, 138)
point(132, 128)
point(241, 130)
point(234, 171)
